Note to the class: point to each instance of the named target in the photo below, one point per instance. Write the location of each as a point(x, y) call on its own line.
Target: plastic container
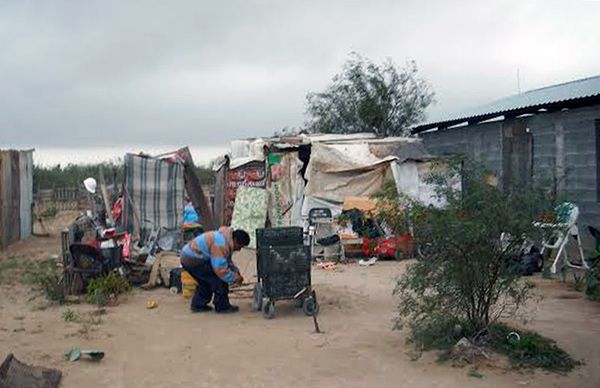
point(188, 284)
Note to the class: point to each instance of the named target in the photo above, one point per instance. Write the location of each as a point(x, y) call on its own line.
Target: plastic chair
point(567, 215)
point(323, 236)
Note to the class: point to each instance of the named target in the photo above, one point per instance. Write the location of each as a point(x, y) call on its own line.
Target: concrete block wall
point(481, 142)
point(564, 149)
point(577, 179)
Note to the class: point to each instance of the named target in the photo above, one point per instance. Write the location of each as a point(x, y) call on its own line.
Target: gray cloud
point(177, 72)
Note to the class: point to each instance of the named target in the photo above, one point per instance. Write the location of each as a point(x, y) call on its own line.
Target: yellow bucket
point(188, 284)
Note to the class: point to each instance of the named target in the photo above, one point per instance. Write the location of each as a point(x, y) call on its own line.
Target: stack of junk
point(316, 188)
point(136, 228)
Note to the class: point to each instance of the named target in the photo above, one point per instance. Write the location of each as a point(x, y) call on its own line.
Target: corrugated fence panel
point(26, 200)
point(3, 185)
point(16, 195)
point(14, 232)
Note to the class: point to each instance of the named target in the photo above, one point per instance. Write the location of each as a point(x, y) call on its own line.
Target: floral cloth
point(250, 211)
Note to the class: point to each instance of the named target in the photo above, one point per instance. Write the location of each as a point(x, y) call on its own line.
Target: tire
point(269, 310)
point(424, 251)
point(257, 297)
point(539, 265)
point(310, 307)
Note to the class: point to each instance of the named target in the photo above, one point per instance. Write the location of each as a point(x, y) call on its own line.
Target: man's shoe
point(203, 309)
point(229, 310)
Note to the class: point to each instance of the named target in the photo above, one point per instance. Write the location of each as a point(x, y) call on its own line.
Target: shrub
point(70, 315)
point(469, 275)
point(531, 350)
point(107, 288)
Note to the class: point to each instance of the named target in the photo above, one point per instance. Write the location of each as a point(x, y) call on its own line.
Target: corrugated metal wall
point(16, 196)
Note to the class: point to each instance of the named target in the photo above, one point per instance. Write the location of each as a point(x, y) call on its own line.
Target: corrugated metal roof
point(568, 92)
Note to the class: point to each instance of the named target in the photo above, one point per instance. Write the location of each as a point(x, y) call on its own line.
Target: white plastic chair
point(560, 232)
point(320, 226)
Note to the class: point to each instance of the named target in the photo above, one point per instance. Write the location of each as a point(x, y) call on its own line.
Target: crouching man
point(207, 258)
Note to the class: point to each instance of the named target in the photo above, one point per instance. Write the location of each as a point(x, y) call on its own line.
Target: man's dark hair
point(241, 237)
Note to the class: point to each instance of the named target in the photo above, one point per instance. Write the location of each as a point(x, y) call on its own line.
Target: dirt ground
point(168, 346)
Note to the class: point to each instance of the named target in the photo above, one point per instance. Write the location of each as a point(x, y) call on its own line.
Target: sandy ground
point(169, 346)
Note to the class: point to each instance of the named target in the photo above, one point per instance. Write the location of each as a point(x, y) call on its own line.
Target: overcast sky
point(86, 73)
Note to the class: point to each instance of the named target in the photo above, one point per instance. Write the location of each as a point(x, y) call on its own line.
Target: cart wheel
point(299, 303)
point(269, 310)
point(257, 297)
point(310, 307)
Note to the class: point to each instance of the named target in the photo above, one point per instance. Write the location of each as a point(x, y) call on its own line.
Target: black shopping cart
point(283, 265)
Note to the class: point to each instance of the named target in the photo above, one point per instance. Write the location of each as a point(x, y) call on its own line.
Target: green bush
point(468, 275)
point(531, 351)
point(469, 278)
point(106, 289)
point(70, 315)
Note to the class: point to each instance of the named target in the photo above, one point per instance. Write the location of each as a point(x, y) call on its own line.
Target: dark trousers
point(208, 284)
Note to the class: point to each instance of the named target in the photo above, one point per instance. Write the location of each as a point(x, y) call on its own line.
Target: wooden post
point(317, 330)
point(195, 192)
point(106, 199)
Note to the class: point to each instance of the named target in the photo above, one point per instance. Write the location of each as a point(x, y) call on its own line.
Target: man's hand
point(239, 280)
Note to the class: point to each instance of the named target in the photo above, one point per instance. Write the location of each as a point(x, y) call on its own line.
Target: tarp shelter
point(308, 171)
point(339, 170)
point(153, 190)
point(16, 196)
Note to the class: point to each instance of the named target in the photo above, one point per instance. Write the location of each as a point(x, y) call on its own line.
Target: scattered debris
point(513, 337)
point(14, 373)
point(414, 355)
point(465, 352)
point(76, 353)
point(151, 304)
point(474, 373)
point(329, 265)
point(367, 263)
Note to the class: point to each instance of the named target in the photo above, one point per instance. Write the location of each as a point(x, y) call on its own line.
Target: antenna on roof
point(518, 81)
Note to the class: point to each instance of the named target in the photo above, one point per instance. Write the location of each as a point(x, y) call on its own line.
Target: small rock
point(414, 355)
point(466, 352)
point(474, 373)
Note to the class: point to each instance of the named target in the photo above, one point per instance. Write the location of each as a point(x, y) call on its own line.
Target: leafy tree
point(368, 97)
point(468, 278)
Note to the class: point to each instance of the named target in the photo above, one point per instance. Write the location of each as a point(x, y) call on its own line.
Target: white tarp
point(336, 171)
point(411, 179)
point(246, 151)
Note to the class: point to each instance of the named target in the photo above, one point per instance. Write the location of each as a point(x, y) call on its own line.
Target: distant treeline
point(72, 175)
